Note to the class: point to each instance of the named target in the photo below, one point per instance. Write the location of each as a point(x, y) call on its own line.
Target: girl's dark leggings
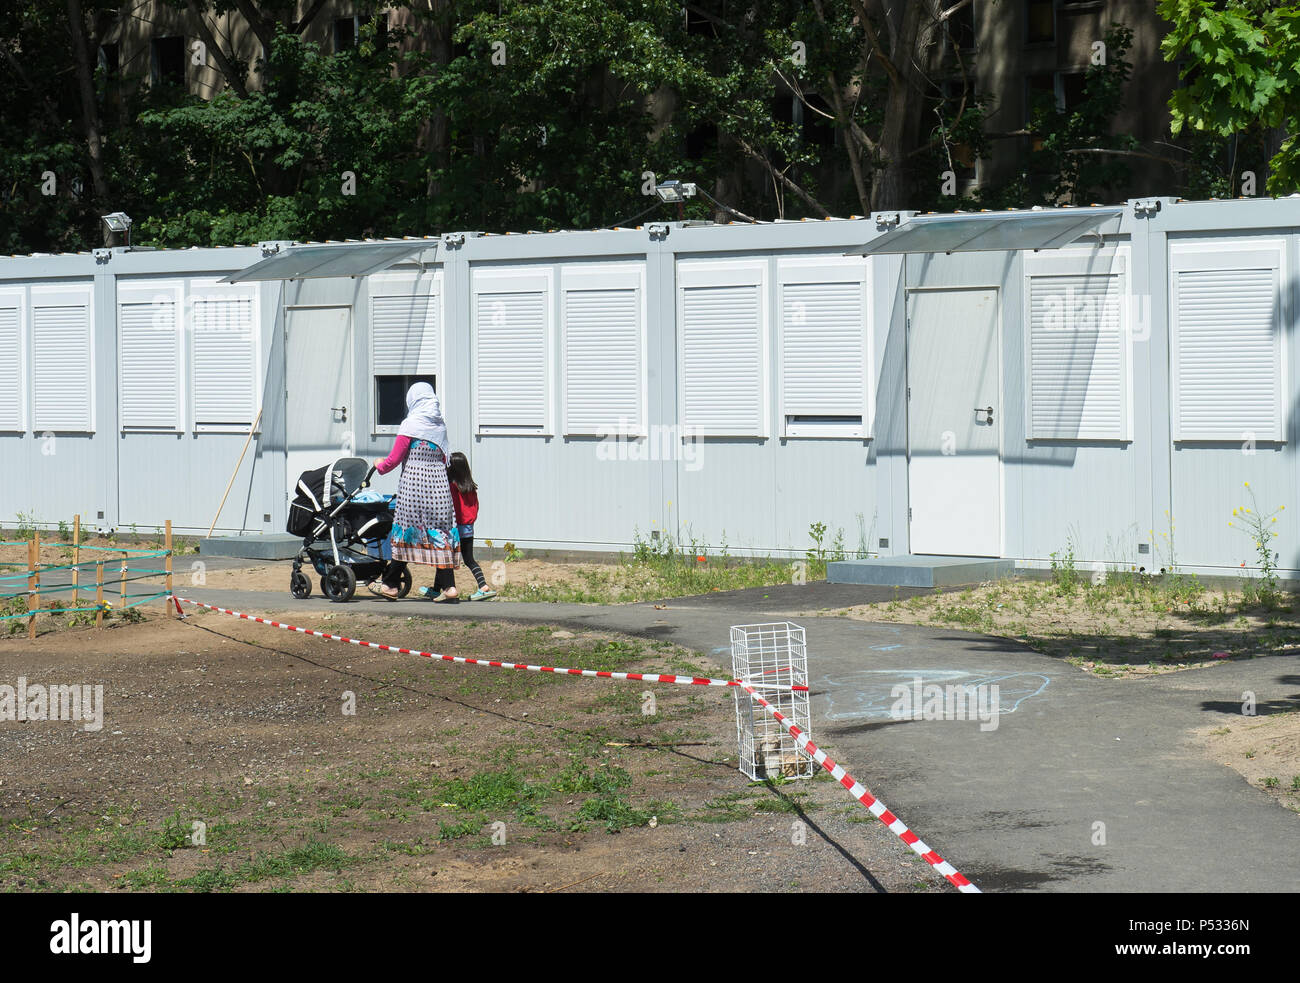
point(467, 554)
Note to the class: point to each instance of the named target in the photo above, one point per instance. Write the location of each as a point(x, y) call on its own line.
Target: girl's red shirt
point(466, 505)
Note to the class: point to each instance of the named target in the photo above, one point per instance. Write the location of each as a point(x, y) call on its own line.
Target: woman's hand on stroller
point(365, 482)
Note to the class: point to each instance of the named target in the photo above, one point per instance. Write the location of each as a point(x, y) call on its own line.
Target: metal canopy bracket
point(344, 259)
point(989, 232)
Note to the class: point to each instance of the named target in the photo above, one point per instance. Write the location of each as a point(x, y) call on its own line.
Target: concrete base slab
point(919, 571)
point(278, 546)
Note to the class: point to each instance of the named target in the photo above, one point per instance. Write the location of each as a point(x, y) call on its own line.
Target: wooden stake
point(76, 558)
point(99, 593)
point(122, 602)
point(168, 565)
point(32, 561)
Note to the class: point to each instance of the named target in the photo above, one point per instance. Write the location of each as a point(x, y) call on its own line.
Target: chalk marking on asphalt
point(868, 697)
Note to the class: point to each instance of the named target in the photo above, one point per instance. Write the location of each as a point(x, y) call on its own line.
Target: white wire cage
point(771, 658)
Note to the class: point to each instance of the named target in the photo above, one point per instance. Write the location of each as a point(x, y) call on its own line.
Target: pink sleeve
point(396, 456)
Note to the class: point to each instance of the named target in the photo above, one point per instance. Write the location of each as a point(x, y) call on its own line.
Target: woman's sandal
point(379, 590)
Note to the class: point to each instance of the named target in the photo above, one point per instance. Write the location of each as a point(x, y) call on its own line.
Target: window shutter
point(1077, 361)
point(11, 360)
point(404, 335)
point(149, 385)
point(224, 323)
point(511, 358)
point(602, 352)
point(61, 360)
point(824, 366)
point(721, 325)
point(1227, 345)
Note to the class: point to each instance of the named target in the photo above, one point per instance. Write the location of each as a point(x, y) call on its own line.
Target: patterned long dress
point(424, 528)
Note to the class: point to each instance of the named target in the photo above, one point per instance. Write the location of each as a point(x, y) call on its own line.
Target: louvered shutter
point(62, 361)
point(404, 333)
point(1227, 344)
point(603, 334)
point(1077, 363)
point(149, 359)
point(11, 361)
point(721, 331)
point(225, 339)
point(510, 320)
point(824, 343)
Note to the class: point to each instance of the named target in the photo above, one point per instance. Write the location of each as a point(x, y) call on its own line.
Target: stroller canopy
point(322, 486)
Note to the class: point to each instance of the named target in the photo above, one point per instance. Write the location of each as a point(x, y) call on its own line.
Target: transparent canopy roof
point(344, 259)
point(969, 233)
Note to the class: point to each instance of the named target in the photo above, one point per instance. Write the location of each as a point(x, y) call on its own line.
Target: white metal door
point(954, 418)
point(320, 418)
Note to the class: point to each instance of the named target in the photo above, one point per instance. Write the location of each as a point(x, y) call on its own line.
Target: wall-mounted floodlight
point(119, 222)
point(674, 192)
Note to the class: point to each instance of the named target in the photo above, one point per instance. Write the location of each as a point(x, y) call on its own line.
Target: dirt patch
point(1124, 628)
point(1265, 750)
point(274, 578)
point(444, 778)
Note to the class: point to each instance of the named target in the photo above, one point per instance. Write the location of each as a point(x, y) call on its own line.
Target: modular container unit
point(962, 385)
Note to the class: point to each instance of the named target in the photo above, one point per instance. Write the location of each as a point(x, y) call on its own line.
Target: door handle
point(341, 409)
point(984, 409)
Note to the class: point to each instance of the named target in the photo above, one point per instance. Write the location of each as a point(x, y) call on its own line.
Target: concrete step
point(276, 546)
point(919, 571)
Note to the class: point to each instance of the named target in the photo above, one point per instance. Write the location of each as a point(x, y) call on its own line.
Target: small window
point(961, 27)
point(167, 61)
point(1040, 21)
point(345, 34)
point(1072, 84)
point(109, 59)
point(390, 396)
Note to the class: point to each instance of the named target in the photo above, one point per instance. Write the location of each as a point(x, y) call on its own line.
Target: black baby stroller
point(341, 537)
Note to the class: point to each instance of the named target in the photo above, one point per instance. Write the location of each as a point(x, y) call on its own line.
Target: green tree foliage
point(1242, 74)
point(512, 115)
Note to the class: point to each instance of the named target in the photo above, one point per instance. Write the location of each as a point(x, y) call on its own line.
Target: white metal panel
point(149, 355)
point(62, 359)
point(722, 319)
point(12, 417)
point(1077, 357)
point(1227, 345)
point(954, 474)
point(511, 310)
point(224, 329)
point(824, 343)
point(603, 330)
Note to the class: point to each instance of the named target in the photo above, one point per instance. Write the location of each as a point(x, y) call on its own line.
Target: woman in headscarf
point(424, 528)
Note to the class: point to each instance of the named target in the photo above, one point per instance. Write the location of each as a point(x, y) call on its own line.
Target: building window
point(109, 59)
point(511, 313)
point(961, 28)
point(167, 61)
point(390, 397)
point(1040, 21)
point(345, 33)
point(602, 341)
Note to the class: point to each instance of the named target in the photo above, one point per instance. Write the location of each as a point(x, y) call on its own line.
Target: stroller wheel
point(299, 585)
point(404, 585)
point(339, 583)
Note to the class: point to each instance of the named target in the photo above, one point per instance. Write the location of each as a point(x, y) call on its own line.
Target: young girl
point(464, 497)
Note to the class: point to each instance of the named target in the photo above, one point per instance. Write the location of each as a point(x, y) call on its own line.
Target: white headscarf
point(424, 417)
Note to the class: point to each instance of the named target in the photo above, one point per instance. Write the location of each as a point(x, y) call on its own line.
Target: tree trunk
point(89, 108)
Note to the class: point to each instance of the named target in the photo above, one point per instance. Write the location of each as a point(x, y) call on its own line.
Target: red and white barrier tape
point(876, 807)
point(646, 677)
